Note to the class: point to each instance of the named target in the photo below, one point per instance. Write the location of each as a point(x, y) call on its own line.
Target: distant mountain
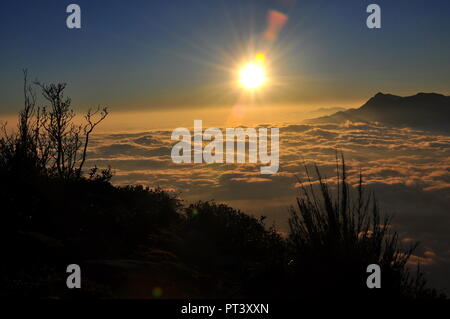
point(329, 110)
point(424, 110)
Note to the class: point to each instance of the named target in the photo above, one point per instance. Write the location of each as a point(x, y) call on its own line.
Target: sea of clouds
point(407, 169)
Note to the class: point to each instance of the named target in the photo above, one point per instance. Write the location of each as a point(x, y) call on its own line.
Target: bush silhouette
point(336, 238)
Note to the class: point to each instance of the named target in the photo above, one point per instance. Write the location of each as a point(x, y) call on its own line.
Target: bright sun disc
point(252, 76)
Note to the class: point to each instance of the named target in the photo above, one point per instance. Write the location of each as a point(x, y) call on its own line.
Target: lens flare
point(275, 22)
point(260, 58)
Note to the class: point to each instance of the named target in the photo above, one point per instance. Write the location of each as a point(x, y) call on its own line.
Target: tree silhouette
point(47, 138)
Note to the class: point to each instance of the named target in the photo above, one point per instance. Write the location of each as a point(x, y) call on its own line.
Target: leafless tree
point(93, 118)
point(47, 137)
point(26, 147)
point(70, 141)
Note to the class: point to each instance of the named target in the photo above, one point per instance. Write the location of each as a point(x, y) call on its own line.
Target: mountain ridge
point(429, 111)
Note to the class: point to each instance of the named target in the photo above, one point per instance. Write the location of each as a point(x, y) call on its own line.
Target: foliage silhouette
point(337, 238)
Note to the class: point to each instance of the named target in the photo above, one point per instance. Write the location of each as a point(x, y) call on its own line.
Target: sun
point(252, 75)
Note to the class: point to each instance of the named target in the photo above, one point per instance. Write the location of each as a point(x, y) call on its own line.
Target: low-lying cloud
point(408, 170)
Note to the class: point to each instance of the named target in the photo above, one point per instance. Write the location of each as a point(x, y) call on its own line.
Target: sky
point(183, 55)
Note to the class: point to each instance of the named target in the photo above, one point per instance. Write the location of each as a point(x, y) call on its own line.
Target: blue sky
point(158, 54)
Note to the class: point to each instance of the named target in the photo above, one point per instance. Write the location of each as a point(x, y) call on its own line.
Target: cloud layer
point(409, 170)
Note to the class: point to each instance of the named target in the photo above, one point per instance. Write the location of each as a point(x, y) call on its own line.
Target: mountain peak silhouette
point(429, 111)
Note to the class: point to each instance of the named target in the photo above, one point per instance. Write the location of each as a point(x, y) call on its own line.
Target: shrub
point(333, 239)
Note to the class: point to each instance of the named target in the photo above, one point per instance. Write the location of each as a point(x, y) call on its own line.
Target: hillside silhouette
point(136, 242)
point(429, 111)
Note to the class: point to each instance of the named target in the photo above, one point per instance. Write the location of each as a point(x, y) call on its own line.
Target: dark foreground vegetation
point(135, 242)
